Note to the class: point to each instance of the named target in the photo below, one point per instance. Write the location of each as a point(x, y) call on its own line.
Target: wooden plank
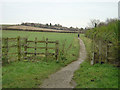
point(109, 44)
point(57, 50)
point(13, 46)
point(100, 47)
point(41, 41)
point(13, 53)
point(41, 53)
point(10, 38)
point(47, 47)
point(46, 50)
point(51, 41)
point(43, 47)
point(35, 46)
point(109, 51)
point(19, 48)
point(110, 58)
point(4, 46)
point(34, 53)
point(30, 47)
point(93, 52)
point(5, 55)
point(25, 49)
point(106, 53)
point(30, 41)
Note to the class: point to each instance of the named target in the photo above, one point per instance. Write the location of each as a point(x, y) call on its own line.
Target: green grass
point(69, 37)
point(27, 74)
point(96, 76)
point(22, 74)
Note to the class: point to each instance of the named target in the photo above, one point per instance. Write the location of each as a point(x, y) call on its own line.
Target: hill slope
point(30, 28)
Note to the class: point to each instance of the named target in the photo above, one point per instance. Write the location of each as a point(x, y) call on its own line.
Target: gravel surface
point(63, 77)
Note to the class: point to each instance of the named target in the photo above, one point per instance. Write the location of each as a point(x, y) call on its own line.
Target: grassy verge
point(27, 74)
point(96, 76)
point(31, 74)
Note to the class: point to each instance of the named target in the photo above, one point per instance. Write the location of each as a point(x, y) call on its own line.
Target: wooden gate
point(22, 45)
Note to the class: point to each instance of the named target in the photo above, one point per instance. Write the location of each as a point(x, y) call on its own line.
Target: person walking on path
point(78, 35)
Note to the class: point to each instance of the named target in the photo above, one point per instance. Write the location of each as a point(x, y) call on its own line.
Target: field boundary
point(103, 52)
point(40, 30)
point(25, 47)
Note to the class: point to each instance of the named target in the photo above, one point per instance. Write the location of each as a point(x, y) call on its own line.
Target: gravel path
point(63, 77)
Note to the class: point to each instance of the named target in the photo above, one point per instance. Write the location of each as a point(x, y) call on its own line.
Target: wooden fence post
point(25, 49)
point(106, 52)
point(109, 52)
point(35, 46)
point(93, 51)
point(100, 50)
point(63, 46)
point(57, 50)
point(6, 50)
point(46, 53)
point(19, 48)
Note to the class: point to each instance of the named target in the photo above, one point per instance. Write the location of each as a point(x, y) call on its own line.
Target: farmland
point(34, 29)
point(21, 74)
point(31, 74)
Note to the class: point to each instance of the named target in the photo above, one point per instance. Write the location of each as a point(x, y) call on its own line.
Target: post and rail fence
point(22, 48)
point(103, 52)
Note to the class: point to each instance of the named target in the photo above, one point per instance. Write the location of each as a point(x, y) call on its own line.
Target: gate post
point(46, 53)
point(25, 49)
point(57, 50)
point(19, 48)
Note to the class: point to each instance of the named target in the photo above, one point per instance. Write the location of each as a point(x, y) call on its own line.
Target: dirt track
point(63, 78)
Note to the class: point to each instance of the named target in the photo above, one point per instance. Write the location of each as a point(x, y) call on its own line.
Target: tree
point(81, 28)
point(109, 20)
point(50, 24)
point(94, 23)
point(102, 24)
point(46, 24)
point(55, 25)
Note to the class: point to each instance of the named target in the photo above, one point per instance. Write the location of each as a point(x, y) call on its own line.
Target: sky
point(76, 13)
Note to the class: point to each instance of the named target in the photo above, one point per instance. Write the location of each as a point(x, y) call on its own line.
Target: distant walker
point(78, 35)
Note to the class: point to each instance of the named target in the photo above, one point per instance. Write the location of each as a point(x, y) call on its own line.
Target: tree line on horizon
point(51, 26)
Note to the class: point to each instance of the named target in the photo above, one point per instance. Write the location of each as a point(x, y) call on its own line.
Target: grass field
point(96, 76)
point(22, 74)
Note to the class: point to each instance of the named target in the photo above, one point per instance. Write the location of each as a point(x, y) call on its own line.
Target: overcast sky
point(76, 13)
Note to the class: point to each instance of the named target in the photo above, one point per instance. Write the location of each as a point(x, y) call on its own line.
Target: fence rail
point(23, 47)
point(103, 52)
